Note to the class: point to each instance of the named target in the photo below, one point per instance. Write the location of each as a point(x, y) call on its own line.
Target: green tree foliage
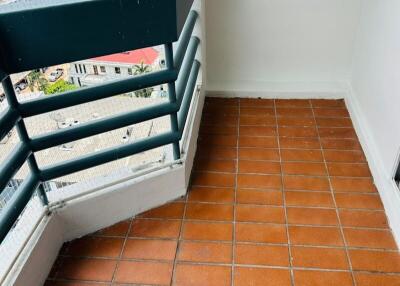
point(139, 70)
point(36, 80)
point(59, 86)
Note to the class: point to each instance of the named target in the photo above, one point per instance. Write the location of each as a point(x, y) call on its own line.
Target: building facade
point(105, 68)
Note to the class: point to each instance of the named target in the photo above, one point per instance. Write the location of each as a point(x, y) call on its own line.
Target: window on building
point(76, 68)
point(162, 63)
point(80, 68)
point(79, 82)
point(72, 80)
point(102, 68)
point(117, 70)
point(129, 71)
point(84, 68)
point(95, 70)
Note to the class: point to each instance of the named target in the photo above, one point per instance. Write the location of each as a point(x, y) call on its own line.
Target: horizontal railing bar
point(187, 98)
point(16, 204)
point(88, 94)
point(184, 38)
point(99, 126)
point(107, 155)
point(186, 68)
point(8, 119)
point(12, 163)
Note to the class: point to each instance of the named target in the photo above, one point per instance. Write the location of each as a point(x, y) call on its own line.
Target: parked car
point(55, 75)
point(21, 86)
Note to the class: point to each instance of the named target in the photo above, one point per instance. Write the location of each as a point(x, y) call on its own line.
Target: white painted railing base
point(77, 216)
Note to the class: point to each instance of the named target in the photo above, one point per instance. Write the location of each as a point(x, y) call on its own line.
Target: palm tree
point(36, 79)
point(139, 70)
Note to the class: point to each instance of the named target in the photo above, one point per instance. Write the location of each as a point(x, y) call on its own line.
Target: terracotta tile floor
point(281, 195)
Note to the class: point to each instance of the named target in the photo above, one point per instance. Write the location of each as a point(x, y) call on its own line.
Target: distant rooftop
point(147, 56)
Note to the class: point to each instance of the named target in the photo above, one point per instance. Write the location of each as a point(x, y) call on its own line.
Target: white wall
point(376, 94)
point(280, 45)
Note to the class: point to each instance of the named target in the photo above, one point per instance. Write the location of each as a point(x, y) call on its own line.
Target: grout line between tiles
point(284, 203)
point(122, 249)
point(337, 210)
point(179, 240)
point(235, 201)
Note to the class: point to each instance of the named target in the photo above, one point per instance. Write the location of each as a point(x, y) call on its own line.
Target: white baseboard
point(274, 95)
point(384, 182)
point(255, 89)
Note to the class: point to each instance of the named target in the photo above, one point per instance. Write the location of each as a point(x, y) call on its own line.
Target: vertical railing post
point(169, 58)
point(23, 135)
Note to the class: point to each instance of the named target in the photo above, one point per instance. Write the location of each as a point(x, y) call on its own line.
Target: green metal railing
point(180, 74)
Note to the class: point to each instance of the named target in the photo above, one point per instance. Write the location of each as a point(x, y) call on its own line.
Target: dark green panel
point(183, 8)
point(46, 33)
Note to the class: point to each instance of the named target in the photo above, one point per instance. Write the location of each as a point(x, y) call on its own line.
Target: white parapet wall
point(85, 211)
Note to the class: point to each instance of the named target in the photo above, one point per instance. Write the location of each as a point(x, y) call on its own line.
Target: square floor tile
point(144, 272)
point(212, 194)
point(95, 247)
point(268, 233)
point(370, 238)
point(325, 278)
point(320, 236)
point(255, 254)
point(353, 185)
point(370, 279)
point(363, 218)
point(207, 231)
point(200, 275)
point(208, 252)
point(254, 213)
point(358, 201)
point(375, 260)
point(259, 181)
point(204, 211)
point(246, 276)
point(87, 269)
point(155, 228)
point(262, 197)
point(312, 216)
point(259, 167)
point(309, 199)
point(150, 249)
point(303, 183)
point(317, 257)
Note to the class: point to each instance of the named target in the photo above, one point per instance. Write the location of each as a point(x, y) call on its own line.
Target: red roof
point(147, 56)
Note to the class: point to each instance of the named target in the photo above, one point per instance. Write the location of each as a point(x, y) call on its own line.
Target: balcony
point(272, 173)
point(281, 194)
